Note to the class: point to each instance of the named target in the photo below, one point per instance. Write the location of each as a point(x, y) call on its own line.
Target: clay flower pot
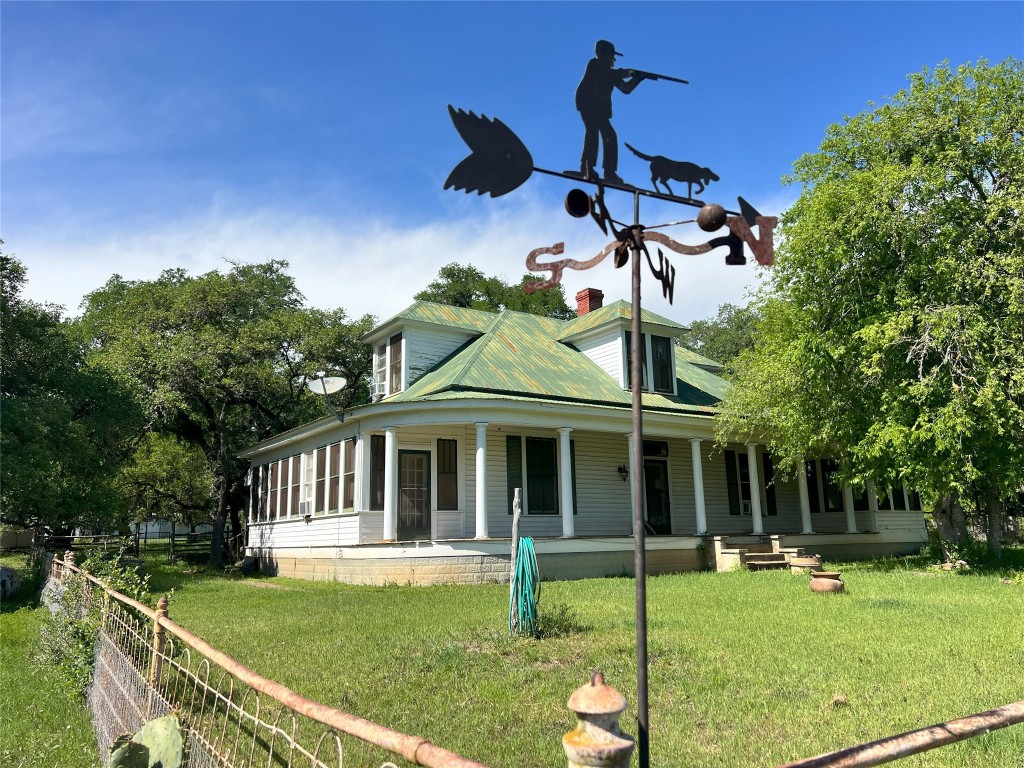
point(826, 581)
point(804, 564)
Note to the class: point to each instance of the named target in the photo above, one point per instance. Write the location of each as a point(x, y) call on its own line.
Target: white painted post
point(872, 507)
point(565, 479)
point(755, 488)
point(805, 502)
point(481, 480)
point(390, 484)
point(851, 514)
point(698, 487)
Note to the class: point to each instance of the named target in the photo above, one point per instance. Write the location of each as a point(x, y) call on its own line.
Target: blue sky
point(142, 136)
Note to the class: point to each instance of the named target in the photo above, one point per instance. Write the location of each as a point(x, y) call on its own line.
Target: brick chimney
point(588, 300)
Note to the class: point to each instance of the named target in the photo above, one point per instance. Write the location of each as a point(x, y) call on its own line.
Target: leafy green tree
point(221, 361)
point(168, 479)
point(466, 286)
point(66, 426)
point(893, 326)
point(723, 337)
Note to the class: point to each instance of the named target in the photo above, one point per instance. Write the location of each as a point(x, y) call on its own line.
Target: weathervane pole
point(639, 533)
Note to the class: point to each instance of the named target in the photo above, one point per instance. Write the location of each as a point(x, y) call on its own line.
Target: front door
point(413, 495)
point(659, 516)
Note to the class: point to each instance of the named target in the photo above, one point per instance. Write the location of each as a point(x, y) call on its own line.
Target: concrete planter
point(800, 565)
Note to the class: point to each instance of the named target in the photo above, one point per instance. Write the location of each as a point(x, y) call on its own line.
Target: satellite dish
point(328, 385)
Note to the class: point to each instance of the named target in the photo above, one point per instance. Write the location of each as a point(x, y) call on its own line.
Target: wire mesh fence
point(146, 666)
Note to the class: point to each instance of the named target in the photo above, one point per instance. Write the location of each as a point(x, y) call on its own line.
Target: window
point(657, 357)
point(661, 357)
point(540, 480)
point(306, 508)
point(447, 474)
point(899, 499)
point(275, 486)
point(830, 484)
point(915, 500)
point(395, 351)
point(254, 493)
point(629, 360)
point(293, 506)
point(860, 499)
point(349, 481)
point(321, 478)
point(737, 475)
point(377, 472)
point(264, 490)
point(380, 369)
point(333, 477)
point(541, 476)
point(812, 486)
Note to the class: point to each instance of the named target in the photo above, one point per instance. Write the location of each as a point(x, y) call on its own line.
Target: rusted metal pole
point(639, 534)
point(914, 742)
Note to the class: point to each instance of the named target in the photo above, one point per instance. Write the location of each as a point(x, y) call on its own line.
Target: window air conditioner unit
point(305, 508)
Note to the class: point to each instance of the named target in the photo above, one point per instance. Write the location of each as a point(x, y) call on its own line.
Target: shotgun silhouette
point(653, 76)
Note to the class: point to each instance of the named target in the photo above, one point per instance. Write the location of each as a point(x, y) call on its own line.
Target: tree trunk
point(994, 529)
point(951, 525)
point(219, 521)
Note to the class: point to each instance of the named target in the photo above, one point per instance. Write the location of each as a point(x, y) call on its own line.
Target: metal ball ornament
point(711, 217)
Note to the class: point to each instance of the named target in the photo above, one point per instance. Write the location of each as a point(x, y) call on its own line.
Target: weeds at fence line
point(147, 666)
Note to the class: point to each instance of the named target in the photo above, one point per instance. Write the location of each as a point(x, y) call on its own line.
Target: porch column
point(755, 488)
point(390, 484)
point(805, 502)
point(632, 492)
point(851, 514)
point(565, 481)
point(906, 496)
point(872, 507)
point(698, 487)
point(481, 480)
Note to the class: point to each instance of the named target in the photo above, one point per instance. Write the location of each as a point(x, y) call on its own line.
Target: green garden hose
point(524, 591)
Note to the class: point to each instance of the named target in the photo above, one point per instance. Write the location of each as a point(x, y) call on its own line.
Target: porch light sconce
point(624, 472)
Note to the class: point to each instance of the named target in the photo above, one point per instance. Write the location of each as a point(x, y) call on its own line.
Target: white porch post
point(755, 488)
point(872, 507)
point(390, 484)
point(805, 501)
point(565, 481)
point(481, 480)
point(906, 496)
point(851, 514)
point(632, 494)
point(698, 487)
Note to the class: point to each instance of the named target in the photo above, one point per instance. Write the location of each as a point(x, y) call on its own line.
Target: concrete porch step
point(765, 561)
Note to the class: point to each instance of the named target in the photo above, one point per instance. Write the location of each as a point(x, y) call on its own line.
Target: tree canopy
point(722, 337)
point(66, 427)
point(893, 325)
point(220, 361)
point(466, 286)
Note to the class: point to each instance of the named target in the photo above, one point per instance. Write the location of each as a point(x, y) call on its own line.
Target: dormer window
point(657, 359)
point(387, 367)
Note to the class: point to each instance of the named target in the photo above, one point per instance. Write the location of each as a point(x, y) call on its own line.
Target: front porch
point(475, 561)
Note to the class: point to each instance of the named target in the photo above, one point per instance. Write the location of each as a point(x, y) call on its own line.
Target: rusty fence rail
point(148, 666)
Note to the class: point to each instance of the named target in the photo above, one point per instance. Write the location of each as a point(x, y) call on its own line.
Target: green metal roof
point(613, 314)
point(520, 357)
point(696, 359)
point(474, 320)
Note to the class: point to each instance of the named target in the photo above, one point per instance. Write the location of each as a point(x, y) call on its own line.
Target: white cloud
point(368, 266)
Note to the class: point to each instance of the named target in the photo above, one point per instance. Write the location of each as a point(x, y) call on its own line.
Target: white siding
point(449, 524)
point(426, 348)
point(606, 351)
point(333, 531)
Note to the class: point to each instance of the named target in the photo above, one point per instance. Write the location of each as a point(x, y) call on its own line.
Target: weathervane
point(499, 163)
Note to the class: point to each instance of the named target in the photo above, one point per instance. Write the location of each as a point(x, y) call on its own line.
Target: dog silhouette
point(663, 169)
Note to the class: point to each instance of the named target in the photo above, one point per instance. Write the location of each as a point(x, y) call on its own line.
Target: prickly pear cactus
point(157, 744)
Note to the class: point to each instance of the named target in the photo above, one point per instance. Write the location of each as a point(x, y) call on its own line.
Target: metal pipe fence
point(148, 666)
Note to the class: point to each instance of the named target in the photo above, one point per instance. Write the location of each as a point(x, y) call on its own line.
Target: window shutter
point(732, 482)
point(514, 466)
point(769, 484)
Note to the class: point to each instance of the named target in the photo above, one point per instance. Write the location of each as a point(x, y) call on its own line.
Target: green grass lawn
point(40, 727)
point(747, 669)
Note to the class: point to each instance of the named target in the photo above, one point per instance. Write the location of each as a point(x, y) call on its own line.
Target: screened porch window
point(376, 472)
point(349, 481)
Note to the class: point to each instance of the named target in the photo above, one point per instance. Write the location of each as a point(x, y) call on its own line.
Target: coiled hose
point(524, 591)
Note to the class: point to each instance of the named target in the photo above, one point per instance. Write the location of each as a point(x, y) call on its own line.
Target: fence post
point(597, 741)
point(157, 660)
